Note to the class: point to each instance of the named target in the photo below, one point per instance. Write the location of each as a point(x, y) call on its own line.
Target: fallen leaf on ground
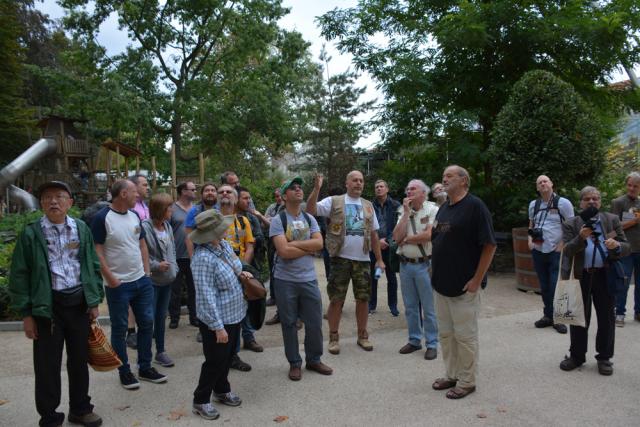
point(481, 415)
point(281, 418)
point(176, 414)
point(502, 409)
point(2, 402)
point(122, 408)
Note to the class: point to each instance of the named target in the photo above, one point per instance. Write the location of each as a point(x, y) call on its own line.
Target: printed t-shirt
point(299, 269)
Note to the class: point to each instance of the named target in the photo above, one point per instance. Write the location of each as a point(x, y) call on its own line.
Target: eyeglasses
point(190, 189)
point(295, 187)
point(58, 198)
point(594, 198)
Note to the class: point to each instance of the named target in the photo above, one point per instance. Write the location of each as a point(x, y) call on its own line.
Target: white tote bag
point(568, 307)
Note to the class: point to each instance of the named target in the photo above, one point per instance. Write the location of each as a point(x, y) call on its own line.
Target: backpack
point(555, 203)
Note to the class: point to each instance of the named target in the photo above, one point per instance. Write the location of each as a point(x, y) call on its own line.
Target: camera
point(536, 235)
point(590, 217)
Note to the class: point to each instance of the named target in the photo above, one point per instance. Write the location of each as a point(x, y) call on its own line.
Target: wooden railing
point(76, 146)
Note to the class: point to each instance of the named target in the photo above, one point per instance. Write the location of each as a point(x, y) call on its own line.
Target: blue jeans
point(300, 300)
point(161, 297)
point(547, 266)
point(247, 332)
point(631, 264)
point(415, 283)
point(139, 295)
point(392, 284)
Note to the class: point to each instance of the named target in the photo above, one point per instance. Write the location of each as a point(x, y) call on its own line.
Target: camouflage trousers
point(342, 272)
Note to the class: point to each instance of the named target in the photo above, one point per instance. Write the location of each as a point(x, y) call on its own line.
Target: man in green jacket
point(56, 286)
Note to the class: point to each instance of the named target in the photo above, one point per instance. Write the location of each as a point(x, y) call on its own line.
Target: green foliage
point(547, 128)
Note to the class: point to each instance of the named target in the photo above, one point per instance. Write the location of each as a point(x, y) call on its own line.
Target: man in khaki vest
point(351, 234)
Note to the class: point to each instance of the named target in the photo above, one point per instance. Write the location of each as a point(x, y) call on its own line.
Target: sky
point(301, 18)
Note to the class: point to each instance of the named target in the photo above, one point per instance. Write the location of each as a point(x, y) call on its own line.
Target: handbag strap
point(224, 260)
point(413, 227)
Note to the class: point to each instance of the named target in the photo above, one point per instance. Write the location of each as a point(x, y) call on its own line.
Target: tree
point(14, 116)
point(332, 125)
point(192, 42)
point(447, 66)
point(547, 128)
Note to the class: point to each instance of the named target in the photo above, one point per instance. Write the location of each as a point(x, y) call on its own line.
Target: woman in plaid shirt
point(220, 307)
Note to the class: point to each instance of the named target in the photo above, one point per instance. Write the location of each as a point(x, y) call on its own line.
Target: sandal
point(460, 392)
point(443, 384)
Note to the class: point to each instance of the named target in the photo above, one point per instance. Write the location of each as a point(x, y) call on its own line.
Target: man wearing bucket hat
point(220, 307)
point(55, 285)
point(296, 237)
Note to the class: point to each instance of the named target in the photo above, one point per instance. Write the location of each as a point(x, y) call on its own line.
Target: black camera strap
point(553, 203)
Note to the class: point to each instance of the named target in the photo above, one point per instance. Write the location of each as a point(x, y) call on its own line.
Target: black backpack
point(555, 203)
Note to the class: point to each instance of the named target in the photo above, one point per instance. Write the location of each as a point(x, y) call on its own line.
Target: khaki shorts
point(345, 270)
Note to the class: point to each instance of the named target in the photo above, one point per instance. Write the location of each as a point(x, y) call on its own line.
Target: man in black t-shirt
point(463, 244)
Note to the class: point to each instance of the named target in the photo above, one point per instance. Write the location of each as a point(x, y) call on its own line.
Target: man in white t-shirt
point(351, 234)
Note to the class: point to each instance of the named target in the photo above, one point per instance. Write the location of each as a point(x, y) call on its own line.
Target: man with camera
point(594, 242)
point(546, 215)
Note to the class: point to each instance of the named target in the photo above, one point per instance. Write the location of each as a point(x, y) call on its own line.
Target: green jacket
point(30, 277)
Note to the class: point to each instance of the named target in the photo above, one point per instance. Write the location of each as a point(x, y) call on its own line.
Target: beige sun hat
point(210, 225)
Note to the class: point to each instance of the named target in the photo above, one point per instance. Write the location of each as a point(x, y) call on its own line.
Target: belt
point(593, 269)
point(420, 260)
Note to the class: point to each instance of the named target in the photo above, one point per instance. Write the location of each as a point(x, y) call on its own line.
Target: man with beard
point(351, 234)
point(181, 208)
point(208, 200)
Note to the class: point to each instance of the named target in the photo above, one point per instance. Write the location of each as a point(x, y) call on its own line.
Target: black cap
point(53, 184)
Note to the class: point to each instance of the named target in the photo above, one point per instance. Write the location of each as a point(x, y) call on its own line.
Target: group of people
point(601, 249)
point(141, 255)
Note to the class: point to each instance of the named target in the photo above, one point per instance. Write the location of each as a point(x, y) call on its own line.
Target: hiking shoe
point(543, 322)
point(620, 320)
point(334, 345)
point(569, 364)
point(395, 312)
point(229, 399)
point(605, 367)
point(253, 346)
point(88, 420)
point(274, 320)
point(562, 329)
point(199, 336)
point(206, 411)
point(129, 381)
point(431, 353)
point(320, 368)
point(164, 360)
point(365, 343)
point(132, 341)
point(408, 348)
point(238, 364)
point(271, 302)
point(152, 375)
point(173, 324)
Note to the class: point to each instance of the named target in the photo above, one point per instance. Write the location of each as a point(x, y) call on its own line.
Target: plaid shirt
point(219, 298)
point(63, 248)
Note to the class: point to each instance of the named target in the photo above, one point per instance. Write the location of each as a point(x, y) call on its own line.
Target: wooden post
point(201, 162)
point(138, 148)
point(153, 171)
point(64, 151)
point(118, 161)
point(108, 168)
point(174, 176)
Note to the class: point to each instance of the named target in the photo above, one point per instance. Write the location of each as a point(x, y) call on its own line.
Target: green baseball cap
point(288, 183)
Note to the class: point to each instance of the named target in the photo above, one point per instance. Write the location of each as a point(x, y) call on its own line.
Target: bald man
point(546, 215)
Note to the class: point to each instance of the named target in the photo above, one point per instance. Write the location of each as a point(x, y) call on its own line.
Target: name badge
point(298, 225)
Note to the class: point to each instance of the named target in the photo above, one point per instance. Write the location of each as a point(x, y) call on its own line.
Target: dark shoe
point(274, 320)
point(129, 381)
point(605, 367)
point(431, 353)
point(164, 360)
point(239, 365)
point(271, 302)
point(132, 341)
point(229, 399)
point(295, 373)
point(443, 384)
point(395, 312)
point(199, 336)
point(460, 392)
point(253, 346)
point(206, 411)
point(562, 329)
point(544, 322)
point(152, 375)
point(320, 368)
point(569, 364)
point(194, 322)
point(88, 420)
point(637, 317)
point(173, 324)
point(408, 348)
